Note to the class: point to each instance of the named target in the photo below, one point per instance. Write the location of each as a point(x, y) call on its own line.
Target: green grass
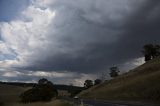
point(142, 83)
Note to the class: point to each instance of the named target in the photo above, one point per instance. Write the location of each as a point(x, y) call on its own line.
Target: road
point(77, 102)
point(102, 103)
point(108, 103)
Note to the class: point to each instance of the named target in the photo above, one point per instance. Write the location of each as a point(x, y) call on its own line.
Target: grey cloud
point(94, 44)
point(31, 76)
point(91, 36)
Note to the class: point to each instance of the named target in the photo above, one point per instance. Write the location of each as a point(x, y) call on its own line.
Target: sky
point(69, 41)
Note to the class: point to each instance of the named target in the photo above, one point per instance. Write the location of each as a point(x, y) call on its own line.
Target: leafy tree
point(88, 83)
point(42, 81)
point(156, 51)
point(97, 81)
point(151, 51)
point(114, 71)
point(43, 91)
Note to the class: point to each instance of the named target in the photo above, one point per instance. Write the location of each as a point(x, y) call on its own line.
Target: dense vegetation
point(43, 91)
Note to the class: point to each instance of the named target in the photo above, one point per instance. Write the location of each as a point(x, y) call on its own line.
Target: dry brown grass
point(9, 93)
point(52, 103)
point(141, 83)
point(9, 96)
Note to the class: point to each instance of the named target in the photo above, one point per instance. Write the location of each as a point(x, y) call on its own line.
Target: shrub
point(41, 92)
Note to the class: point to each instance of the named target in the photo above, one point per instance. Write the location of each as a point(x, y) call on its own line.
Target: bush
point(88, 84)
point(97, 81)
point(41, 92)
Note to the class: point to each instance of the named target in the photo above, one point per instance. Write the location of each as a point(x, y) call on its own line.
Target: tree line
point(114, 72)
point(149, 52)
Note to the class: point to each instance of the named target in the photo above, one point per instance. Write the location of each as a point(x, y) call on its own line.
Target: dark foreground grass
point(52, 103)
point(9, 93)
point(9, 96)
point(140, 84)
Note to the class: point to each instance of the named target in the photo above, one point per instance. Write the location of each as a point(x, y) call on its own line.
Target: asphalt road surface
point(93, 103)
point(101, 103)
point(77, 102)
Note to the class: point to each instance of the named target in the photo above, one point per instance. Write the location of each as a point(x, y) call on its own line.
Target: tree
point(88, 84)
point(103, 76)
point(97, 81)
point(114, 71)
point(151, 51)
point(156, 51)
point(42, 81)
point(43, 91)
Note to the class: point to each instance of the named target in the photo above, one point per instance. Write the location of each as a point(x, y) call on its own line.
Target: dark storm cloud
point(142, 27)
point(87, 36)
point(96, 42)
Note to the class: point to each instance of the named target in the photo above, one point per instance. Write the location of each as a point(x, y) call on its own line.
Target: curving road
point(101, 103)
point(77, 102)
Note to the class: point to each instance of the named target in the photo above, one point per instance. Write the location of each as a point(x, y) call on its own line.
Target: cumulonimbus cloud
point(80, 36)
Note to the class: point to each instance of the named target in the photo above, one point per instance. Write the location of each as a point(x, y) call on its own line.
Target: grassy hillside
point(52, 103)
point(142, 83)
point(9, 96)
point(9, 93)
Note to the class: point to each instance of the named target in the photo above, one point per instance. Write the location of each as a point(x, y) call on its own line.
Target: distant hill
point(68, 87)
point(142, 83)
point(20, 84)
point(59, 87)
